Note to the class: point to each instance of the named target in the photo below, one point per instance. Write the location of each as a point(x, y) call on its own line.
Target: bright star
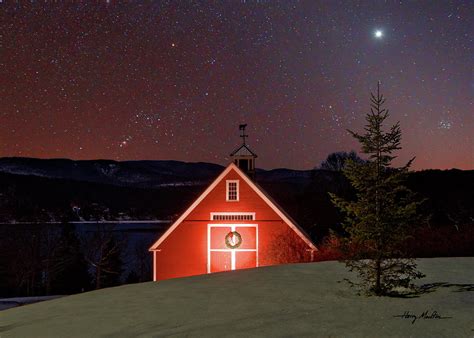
point(445, 124)
point(378, 34)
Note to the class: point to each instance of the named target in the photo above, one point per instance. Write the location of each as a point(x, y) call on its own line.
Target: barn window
point(232, 193)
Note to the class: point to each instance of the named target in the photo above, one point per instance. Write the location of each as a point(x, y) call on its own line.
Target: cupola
point(243, 156)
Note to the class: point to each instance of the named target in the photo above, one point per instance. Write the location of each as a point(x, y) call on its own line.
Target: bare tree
point(337, 161)
point(102, 251)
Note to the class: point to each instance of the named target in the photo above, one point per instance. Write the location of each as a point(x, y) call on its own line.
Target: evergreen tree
point(132, 278)
point(384, 213)
point(70, 271)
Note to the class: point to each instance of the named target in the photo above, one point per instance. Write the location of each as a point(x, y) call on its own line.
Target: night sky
point(173, 80)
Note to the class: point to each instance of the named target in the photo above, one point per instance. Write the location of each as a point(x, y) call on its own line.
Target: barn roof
point(243, 150)
point(271, 203)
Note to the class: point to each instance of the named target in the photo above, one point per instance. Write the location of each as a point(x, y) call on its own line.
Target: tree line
point(50, 259)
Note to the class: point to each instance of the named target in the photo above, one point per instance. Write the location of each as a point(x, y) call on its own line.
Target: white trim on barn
point(228, 191)
point(154, 265)
point(262, 195)
point(232, 251)
point(232, 216)
point(191, 208)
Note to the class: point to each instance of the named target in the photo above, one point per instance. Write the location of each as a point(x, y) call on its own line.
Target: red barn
point(232, 225)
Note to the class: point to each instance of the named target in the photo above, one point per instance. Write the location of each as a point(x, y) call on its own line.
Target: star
point(125, 142)
point(179, 83)
point(445, 124)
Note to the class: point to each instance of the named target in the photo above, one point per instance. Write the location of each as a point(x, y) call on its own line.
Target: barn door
point(232, 246)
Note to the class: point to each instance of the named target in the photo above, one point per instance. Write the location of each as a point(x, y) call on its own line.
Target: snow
point(288, 300)
point(7, 303)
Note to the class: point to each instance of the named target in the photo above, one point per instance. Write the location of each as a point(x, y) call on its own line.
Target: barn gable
point(253, 186)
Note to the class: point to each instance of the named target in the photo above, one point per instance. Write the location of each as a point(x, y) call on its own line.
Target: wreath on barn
point(233, 240)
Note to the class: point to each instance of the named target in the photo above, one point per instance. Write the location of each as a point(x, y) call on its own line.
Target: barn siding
point(248, 201)
point(184, 251)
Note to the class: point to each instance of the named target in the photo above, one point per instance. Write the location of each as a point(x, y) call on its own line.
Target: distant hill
point(48, 189)
point(145, 174)
point(53, 189)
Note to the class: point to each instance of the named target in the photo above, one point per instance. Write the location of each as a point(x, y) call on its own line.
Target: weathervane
point(242, 128)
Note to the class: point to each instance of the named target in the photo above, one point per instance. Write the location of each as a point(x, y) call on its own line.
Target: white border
point(227, 182)
point(232, 251)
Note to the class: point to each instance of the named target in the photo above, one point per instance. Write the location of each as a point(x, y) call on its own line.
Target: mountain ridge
point(139, 173)
point(51, 189)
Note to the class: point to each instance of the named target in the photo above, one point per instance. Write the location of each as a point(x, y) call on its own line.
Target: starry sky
point(174, 79)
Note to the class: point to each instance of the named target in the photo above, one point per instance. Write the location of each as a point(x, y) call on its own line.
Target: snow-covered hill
point(294, 300)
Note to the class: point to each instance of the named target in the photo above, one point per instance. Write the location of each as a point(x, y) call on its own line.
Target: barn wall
point(248, 201)
point(279, 244)
point(184, 251)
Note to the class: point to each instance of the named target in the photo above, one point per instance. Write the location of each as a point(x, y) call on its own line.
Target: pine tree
point(69, 269)
point(384, 213)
